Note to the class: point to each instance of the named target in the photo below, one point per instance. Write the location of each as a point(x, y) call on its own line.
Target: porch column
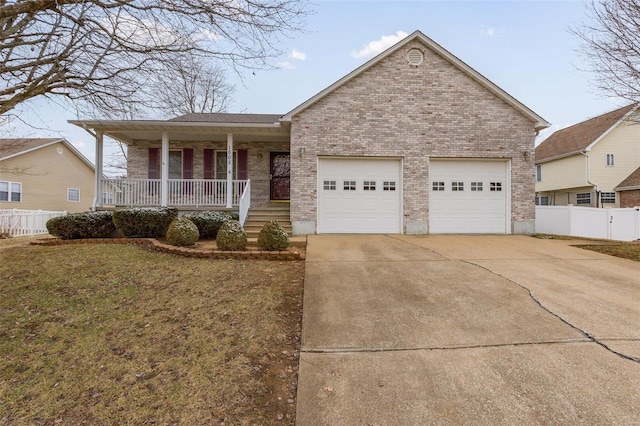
point(229, 170)
point(97, 201)
point(164, 175)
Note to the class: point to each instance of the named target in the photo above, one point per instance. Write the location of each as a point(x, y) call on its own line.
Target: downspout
point(584, 152)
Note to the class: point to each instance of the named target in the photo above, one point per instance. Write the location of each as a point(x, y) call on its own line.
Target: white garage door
point(359, 196)
point(468, 196)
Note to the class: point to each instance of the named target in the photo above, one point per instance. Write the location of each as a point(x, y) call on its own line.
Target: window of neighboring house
point(583, 198)
point(10, 191)
point(221, 165)
point(542, 200)
point(73, 194)
point(609, 159)
point(539, 173)
point(607, 197)
point(175, 164)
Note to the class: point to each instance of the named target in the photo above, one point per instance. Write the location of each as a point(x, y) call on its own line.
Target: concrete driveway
point(406, 330)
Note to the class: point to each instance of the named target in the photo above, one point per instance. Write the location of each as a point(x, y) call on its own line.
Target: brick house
point(414, 141)
point(593, 163)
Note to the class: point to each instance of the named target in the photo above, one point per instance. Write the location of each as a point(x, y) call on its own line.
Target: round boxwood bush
point(209, 222)
point(231, 236)
point(182, 232)
point(82, 225)
point(272, 237)
point(144, 222)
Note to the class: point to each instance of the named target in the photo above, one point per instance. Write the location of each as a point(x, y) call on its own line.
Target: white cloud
point(374, 47)
point(488, 31)
point(296, 54)
point(286, 65)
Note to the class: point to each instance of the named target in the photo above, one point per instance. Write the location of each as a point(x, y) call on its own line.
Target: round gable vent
point(415, 57)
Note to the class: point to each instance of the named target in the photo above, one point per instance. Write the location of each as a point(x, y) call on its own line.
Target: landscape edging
point(181, 251)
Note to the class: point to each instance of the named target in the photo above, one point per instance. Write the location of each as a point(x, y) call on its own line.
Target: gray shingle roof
point(221, 117)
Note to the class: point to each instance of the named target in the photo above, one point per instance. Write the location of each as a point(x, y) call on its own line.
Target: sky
point(525, 47)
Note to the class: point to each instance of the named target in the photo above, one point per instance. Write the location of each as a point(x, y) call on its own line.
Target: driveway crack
point(586, 334)
point(438, 348)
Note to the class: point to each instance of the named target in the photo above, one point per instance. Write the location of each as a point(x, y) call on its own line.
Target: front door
point(280, 177)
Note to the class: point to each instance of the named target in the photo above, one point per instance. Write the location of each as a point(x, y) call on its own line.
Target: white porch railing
point(20, 223)
point(245, 202)
point(181, 192)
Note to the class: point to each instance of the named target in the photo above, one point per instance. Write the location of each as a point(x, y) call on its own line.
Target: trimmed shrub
point(231, 236)
point(209, 222)
point(182, 232)
point(272, 237)
point(144, 222)
point(82, 225)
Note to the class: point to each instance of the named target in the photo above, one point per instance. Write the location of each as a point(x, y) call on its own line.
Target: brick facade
point(394, 109)
point(258, 162)
point(630, 198)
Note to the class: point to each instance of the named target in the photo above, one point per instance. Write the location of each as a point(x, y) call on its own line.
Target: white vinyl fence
point(589, 222)
point(20, 223)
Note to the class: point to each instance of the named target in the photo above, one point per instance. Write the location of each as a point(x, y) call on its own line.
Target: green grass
point(114, 334)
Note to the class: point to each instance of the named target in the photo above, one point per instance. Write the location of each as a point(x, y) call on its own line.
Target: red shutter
point(208, 164)
point(154, 163)
point(187, 163)
point(243, 164)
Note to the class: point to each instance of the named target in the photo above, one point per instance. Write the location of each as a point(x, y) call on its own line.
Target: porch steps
point(258, 216)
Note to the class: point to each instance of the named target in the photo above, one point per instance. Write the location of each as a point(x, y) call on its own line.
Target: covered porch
point(228, 161)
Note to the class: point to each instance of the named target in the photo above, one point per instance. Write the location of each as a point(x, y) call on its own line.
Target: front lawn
point(114, 334)
point(625, 250)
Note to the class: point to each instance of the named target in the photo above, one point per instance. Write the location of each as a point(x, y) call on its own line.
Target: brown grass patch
point(114, 334)
point(626, 251)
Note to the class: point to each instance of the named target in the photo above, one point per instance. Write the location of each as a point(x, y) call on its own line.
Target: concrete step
point(268, 216)
point(258, 216)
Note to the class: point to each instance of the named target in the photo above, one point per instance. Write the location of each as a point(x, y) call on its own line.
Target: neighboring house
point(629, 190)
point(44, 174)
point(586, 164)
point(414, 141)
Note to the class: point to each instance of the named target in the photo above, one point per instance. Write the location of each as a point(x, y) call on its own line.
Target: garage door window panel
point(329, 185)
point(369, 185)
point(389, 186)
point(495, 186)
point(349, 185)
point(437, 186)
point(457, 186)
point(476, 186)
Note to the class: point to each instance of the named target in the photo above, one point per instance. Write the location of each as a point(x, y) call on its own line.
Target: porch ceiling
point(151, 130)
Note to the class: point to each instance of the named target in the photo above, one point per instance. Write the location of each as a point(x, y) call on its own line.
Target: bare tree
point(103, 53)
point(192, 86)
point(611, 45)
